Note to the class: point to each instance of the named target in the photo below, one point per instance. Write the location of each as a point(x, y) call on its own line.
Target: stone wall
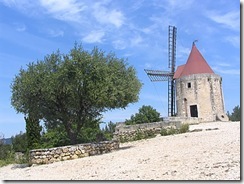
point(45, 156)
point(187, 120)
point(124, 133)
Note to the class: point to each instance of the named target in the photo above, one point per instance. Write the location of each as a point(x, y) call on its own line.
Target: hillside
point(7, 141)
point(210, 154)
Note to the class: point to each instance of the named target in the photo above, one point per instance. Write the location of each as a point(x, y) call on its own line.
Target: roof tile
point(195, 64)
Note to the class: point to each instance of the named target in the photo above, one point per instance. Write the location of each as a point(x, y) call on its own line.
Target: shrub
point(6, 155)
point(139, 135)
point(163, 132)
point(149, 134)
point(123, 139)
point(184, 128)
point(172, 131)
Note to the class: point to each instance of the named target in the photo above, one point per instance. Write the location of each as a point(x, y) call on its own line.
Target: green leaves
point(236, 114)
point(71, 88)
point(146, 115)
point(33, 132)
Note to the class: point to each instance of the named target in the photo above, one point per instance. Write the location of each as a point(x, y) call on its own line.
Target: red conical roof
point(195, 64)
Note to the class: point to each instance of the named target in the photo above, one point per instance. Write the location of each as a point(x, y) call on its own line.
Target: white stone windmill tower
point(193, 88)
point(199, 91)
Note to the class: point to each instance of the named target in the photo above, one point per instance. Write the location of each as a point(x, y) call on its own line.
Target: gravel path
point(210, 154)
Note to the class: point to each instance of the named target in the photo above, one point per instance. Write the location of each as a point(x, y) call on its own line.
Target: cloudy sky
point(132, 29)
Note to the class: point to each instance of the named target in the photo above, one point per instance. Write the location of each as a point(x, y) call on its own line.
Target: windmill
point(157, 75)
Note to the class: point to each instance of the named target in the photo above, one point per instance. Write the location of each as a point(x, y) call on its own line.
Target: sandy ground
point(205, 155)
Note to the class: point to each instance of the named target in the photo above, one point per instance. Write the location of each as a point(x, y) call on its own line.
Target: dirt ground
point(210, 154)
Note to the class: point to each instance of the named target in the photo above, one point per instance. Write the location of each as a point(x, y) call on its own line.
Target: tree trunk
point(72, 135)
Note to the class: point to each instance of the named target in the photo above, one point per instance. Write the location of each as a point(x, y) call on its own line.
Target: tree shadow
point(20, 166)
point(125, 147)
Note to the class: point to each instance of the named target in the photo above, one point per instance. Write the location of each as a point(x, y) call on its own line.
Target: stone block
point(78, 152)
point(65, 150)
point(74, 156)
point(65, 158)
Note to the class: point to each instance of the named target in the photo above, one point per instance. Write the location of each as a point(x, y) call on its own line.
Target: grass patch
point(184, 128)
point(171, 131)
point(6, 162)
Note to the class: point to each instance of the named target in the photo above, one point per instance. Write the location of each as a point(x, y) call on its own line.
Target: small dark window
point(189, 85)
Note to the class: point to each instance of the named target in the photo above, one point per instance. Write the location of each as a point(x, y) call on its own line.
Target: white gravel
point(205, 155)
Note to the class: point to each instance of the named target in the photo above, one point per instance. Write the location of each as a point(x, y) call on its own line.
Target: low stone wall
point(45, 156)
point(188, 120)
point(124, 133)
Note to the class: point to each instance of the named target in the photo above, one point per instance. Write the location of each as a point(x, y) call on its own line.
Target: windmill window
point(188, 85)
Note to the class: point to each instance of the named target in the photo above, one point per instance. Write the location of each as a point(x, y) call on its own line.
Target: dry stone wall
point(45, 156)
point(124, 133)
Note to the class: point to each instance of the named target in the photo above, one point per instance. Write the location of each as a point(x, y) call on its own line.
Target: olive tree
point(74, 89)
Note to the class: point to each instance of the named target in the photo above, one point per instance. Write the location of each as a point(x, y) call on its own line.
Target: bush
point(123, 139)
point(149, 134)
point(172, 131)
point(184, 128)
point(19, 142)
point(140, 135)
point(164, 132)
point(6, 155)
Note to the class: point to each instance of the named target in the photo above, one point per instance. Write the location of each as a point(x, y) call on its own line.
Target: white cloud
point(55, 33)
point(107, 16)
point(226, 71)
point(147, 65)
point(137, 5)
point(67, 10)
point(230, 20)
point(20, 27)
point(182, 53)
point(223, 64)
point(28, 7)
point(119, 44)
point(136, 41)
point(94, 36)
point(179, 4)
point(234, 40)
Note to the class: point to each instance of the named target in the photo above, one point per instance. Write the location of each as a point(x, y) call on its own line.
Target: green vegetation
point(109, 130)
point(8, 152)
point(69, 92)
point(33, 133)
point(236, 114)
point(6, 155)
point(171, 131)
point(184, 128)
point(19, 142)
point(145, 134)
point(146, 114)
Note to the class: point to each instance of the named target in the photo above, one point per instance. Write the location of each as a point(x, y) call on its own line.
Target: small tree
point(19, 142)
point(33, 133)
point(147, 114)
point(236, 114)
point(5, 150)
point(109, 130)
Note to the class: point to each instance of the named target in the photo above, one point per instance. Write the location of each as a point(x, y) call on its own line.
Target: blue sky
point(133, 29)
